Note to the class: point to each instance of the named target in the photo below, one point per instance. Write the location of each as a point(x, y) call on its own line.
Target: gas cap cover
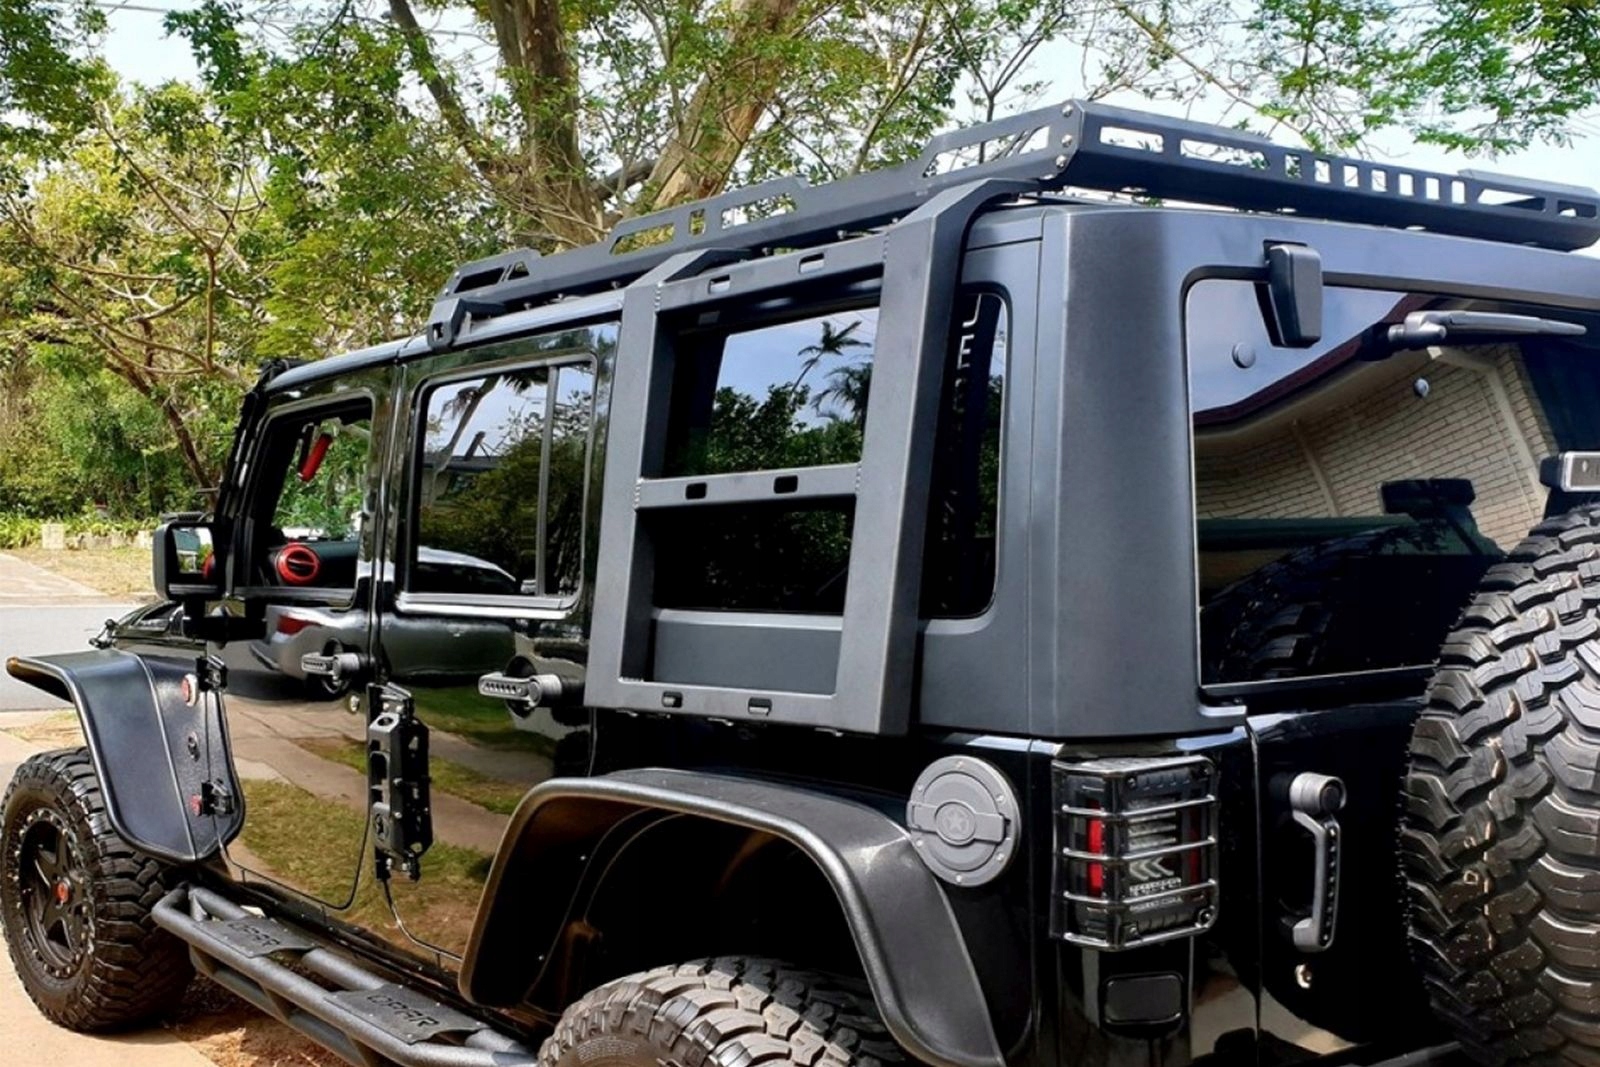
point(963, 819)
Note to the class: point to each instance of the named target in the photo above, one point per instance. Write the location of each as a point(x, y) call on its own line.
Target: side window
point(794, 394)
point(308, 507)
point(964, 504)
point(787, 394)
point(500, 483)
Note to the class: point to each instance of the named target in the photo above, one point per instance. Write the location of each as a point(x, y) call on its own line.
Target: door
point(303, 547)
point(489, 546)
point(1347, 509)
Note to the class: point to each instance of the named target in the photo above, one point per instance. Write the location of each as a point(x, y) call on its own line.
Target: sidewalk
point(23, 1027)
point(23, 583)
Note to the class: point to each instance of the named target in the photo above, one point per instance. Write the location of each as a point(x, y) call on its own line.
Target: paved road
point(44, 612)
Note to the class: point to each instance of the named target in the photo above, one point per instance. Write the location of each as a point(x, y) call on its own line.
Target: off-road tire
point(1500, 835)
point(130, 970)
point(729, 1012)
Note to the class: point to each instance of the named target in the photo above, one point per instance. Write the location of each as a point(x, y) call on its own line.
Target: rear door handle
point(339, 667)
point(535, 691)
point(1314, 800)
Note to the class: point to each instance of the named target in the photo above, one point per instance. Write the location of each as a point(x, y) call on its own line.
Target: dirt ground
point(116, 572)
point(231, 1033)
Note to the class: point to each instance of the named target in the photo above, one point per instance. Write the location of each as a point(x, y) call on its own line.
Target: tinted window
point(963, 509)
point(792, 394)
point(795, 395)
point(1348, 500)
point(500, 483)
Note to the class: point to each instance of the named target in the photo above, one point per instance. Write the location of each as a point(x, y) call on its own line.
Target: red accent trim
point(297, 564)
point(313, 463)
point(1097, 844)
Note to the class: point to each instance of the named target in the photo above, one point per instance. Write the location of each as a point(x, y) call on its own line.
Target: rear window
point(794, 394)
point(1347, 506)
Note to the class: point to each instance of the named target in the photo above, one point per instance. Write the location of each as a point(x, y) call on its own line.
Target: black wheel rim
point(53, 890)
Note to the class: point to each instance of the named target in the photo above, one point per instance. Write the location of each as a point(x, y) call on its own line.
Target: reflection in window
point(787, 395)
point(1345, 515)
point(963, 507)
point(501, 483)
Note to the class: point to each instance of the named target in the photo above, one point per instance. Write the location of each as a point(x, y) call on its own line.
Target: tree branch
point(439, 87)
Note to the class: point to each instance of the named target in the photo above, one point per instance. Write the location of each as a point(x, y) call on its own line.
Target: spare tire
point(1500, 833)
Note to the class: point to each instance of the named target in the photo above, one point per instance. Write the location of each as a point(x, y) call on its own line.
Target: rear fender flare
point(153, 753)
point(907, 937)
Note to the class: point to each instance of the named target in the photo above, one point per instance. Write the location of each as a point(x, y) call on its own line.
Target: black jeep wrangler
point(941, 616)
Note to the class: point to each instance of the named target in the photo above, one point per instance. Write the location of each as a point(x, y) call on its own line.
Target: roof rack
point(1075, 144)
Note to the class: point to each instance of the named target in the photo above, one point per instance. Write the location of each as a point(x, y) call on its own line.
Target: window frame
point(488, 605)
point(249, 527)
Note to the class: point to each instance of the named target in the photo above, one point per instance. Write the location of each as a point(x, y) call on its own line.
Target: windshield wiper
point(1421, 329)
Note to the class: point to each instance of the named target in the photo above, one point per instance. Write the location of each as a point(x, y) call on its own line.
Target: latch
point(397, 782)
point(211, 673)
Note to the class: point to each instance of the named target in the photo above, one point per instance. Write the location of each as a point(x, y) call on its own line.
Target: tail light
point(1136, 850)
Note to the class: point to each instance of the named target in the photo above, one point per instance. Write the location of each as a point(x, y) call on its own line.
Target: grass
point(448, 777)
point(310, 843)
point(118, 572)
point(469, 716)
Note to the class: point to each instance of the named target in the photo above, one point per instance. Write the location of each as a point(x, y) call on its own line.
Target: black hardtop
point(1047, 152)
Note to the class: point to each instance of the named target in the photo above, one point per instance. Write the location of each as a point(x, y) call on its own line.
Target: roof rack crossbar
point(1070, 145)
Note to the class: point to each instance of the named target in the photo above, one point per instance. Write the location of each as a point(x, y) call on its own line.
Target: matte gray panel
point(799, 654)
point(751, 487)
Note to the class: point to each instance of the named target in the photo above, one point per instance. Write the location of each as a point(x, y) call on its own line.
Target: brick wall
point(1330, 460)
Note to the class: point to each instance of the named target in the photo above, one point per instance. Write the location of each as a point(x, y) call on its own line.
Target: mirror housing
point(187, 561)
point(1294, 295)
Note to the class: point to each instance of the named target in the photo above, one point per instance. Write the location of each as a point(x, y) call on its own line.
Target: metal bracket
point(397, 782)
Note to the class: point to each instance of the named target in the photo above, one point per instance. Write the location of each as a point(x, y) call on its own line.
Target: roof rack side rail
point(1070, 145)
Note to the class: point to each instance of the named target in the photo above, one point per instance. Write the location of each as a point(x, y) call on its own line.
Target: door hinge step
point(326, 996)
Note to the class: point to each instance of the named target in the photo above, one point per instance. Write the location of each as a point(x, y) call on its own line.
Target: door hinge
point(397, 782)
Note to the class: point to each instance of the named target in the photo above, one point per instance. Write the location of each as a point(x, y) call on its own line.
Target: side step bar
point(358, 1015)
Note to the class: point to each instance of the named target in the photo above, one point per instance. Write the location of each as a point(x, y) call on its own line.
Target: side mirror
point(187, 561)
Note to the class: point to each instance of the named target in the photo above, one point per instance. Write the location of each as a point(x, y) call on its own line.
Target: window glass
point(500, 485)
point(787, 395)
point(963, 508)
point(795, 395)
point(313, 473)
point(1348, 498)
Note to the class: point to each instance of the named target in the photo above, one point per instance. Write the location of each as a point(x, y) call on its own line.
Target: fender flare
point(905, 932)
point(138, 730)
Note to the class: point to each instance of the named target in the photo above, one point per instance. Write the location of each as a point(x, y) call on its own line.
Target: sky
point(137, 48)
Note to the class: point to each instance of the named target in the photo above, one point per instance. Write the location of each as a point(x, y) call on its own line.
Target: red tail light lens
point(1097, 845)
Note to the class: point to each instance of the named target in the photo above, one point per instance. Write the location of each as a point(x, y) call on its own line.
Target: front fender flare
point(911, 947)
point(138, 730)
